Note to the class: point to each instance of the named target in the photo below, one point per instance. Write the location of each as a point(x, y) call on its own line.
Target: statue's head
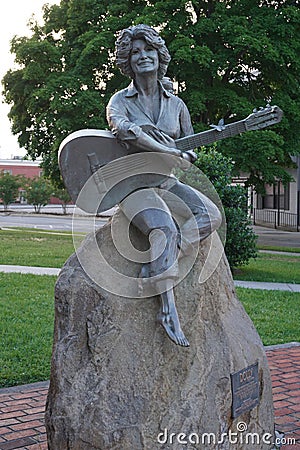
point(148, 34)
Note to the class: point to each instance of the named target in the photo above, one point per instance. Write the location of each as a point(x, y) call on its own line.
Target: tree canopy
point(9, 188)
point(38, 192)
point(227, 58)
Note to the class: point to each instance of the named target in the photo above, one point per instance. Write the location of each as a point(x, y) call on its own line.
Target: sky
point(14, 18)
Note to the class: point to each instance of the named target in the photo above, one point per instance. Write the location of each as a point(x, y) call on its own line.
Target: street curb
point(278, 346)
point(25, 387)
point(288, 287)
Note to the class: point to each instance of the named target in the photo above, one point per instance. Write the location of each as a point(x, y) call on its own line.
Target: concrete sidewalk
point(29, 269)
point(244, 284)
point(268, 286)
point(276, 237)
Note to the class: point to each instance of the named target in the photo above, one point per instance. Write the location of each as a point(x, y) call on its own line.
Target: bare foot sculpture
point(168, 318)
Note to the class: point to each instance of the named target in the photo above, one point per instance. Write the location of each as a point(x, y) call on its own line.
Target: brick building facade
point(28, 169)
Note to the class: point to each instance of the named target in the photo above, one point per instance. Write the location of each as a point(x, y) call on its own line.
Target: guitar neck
point(210, 136)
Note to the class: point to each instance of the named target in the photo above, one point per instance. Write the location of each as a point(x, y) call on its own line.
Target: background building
point(279, 207)
point(28, 169)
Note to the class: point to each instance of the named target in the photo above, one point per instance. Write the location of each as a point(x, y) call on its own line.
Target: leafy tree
point(63, 195)
point(228, 57)
point(9, 187)
point(38, 192)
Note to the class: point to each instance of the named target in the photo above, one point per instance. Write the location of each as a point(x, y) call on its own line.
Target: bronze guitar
point(113, 170)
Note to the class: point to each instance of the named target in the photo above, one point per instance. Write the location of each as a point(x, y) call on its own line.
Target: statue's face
point(144, 58)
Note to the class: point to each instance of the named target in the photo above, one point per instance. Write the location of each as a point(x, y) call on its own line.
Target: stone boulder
point(119, 383)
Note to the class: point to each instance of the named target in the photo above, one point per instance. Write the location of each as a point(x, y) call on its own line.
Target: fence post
point(278, 203)
point(298, 207)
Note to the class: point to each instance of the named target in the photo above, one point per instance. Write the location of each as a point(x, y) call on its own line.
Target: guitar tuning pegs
point(220, 126)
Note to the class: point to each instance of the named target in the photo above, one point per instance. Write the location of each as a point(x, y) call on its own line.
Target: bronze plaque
point(245, 390)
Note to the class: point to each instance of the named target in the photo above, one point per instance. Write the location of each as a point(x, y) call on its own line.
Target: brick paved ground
point(284, 364)
point(22, 408)
point(22, 417)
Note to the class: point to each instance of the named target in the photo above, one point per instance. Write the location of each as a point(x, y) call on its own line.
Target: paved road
point(23, 217)
point(51, 222)
point(289, 287)
point(279, 238)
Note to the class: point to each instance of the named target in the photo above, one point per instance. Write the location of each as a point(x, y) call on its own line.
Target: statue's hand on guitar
point(190, 156)
point(164, 139)
point(159, 136)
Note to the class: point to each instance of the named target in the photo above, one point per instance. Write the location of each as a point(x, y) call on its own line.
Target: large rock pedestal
point(119, 383)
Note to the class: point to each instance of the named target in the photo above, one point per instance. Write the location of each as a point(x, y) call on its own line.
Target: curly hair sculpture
point(151, 36)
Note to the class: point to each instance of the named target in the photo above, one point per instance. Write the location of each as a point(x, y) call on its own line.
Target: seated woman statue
point(148, 116)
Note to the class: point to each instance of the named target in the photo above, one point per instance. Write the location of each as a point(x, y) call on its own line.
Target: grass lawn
point(27, 302)
point(27, 314)
point(271, 268)
point(275, 314)
point(26, 247)
point(26, 328)
point(279, 249)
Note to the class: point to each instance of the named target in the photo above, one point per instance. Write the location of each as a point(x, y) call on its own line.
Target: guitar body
point(99, 172)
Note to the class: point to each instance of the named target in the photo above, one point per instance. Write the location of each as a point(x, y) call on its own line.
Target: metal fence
point(276, 219)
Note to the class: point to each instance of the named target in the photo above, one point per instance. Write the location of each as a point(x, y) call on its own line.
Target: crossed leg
point(151, 213)
point(153, 218)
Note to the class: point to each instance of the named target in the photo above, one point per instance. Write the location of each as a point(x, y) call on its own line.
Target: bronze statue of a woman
point(148, 116)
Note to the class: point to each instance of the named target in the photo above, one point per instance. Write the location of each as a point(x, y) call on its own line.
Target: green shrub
point(240, 238)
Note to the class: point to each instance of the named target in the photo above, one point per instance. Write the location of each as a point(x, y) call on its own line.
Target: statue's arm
point(127, 131)
point(185, 121)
